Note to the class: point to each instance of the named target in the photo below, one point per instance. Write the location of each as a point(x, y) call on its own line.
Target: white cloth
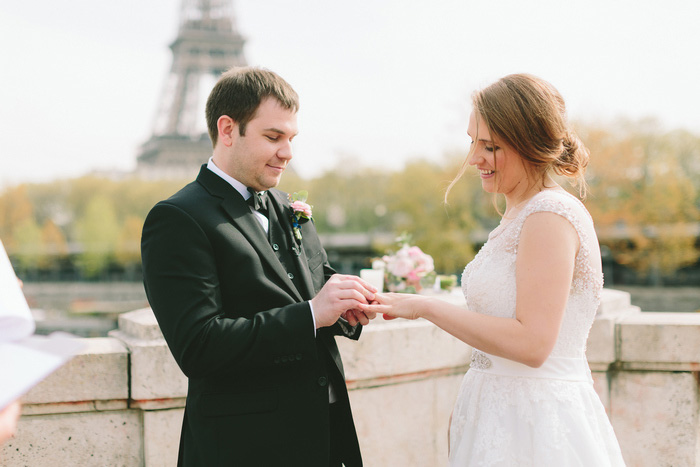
point(24, 359)
point(561, 368)
point(509, 414)
point(16, 321)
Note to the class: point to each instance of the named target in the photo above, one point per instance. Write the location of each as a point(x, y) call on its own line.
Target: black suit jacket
point(241, 331)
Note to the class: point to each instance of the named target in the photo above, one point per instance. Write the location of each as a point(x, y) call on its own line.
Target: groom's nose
point(285, 150)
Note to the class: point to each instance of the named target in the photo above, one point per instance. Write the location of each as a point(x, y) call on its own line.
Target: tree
point(53, 245)
point(128, 247)
point(416, 203)
point(26, 249)
point(643, 200)
point(644, 197)
point(348, 198)
point(16, 209)
point(98, 231)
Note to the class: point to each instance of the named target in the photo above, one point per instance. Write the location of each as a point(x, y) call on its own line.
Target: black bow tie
point(258, 200)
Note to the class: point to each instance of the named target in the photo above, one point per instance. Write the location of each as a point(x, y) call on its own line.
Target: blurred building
point(208, 43)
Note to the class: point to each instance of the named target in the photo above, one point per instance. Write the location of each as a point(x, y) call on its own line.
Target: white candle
point(374, 277)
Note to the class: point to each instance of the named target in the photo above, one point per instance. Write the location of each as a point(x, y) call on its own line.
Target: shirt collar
point(240, 187)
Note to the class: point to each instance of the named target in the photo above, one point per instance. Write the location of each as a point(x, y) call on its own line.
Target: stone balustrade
point(120, 401)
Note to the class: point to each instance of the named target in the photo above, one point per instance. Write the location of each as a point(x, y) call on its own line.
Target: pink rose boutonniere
point(301, 211)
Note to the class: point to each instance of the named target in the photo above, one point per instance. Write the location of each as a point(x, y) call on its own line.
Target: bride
point(532, 293)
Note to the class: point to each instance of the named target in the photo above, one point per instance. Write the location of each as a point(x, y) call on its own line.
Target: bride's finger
point(389, 298)
point(374, 307)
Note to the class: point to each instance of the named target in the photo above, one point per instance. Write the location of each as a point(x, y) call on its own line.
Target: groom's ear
point(228, 130)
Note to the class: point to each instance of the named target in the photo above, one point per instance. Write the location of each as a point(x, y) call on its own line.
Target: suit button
point(275, 246)
point(290, 275)
point(298, 356)
point(284, 359)
point(277, 360)
point(322, 381)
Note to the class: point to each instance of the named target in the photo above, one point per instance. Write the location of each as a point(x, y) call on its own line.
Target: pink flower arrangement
point(407, 268)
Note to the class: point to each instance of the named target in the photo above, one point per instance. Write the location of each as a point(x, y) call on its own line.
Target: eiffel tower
point(208, 43)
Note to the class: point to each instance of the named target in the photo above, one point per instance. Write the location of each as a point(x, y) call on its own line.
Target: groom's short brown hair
point(239, 92)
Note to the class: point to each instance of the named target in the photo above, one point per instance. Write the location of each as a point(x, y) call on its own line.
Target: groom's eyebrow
point(278, 131)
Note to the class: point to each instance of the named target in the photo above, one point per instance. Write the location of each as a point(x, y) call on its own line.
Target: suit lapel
point(242, 217)
point(284, 215)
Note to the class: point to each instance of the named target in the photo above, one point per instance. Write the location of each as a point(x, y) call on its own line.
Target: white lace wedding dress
point(509, 414)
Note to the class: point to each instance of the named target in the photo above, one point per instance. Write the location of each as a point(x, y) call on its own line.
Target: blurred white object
point(24, 359)
point(374, 277)
point(16, 320)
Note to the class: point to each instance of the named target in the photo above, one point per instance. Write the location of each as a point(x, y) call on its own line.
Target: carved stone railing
point(120, 401)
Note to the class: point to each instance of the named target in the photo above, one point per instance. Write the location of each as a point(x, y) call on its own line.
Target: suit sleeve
point(341, 327)
point(182, 285)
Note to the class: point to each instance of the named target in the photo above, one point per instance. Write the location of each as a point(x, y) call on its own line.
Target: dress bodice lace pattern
point(508, 414)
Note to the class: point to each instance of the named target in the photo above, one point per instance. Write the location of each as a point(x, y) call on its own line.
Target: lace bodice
point(488, 282)
point(507, 413)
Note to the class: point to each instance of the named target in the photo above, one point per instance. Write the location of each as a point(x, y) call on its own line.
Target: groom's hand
point(340, 294)
point(358, 316)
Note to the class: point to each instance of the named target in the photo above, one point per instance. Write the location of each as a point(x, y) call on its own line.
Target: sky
point(380, 81)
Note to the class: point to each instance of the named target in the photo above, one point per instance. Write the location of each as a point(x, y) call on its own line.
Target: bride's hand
point(397, 305)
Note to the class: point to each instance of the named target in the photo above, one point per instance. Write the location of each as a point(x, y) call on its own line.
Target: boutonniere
point(301, 211)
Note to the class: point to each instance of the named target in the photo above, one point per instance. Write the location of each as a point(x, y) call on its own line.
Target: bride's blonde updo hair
point(529, 115)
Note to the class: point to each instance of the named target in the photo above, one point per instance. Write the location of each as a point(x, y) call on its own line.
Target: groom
point(249, 309)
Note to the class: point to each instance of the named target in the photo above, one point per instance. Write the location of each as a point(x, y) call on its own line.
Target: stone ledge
point(99, 372)
point(111, 438)
point(653, 337)
point(154, 373)
point(405, 424)
point(405, 378)
point(602, 347)
point(141, 324)
point(158, 404)
point(656, 417)
point(615, 301)
point(422, 345)
point(161, 433)
point(685, 367)
point(74, 407)
point(402, 375)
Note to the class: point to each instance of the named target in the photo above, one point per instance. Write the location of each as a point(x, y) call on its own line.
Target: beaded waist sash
point(561, 368)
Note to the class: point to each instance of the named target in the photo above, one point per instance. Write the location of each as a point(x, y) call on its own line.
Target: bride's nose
point(472, 158)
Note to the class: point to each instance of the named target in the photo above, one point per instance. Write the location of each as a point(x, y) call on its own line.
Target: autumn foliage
point(644, 196)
